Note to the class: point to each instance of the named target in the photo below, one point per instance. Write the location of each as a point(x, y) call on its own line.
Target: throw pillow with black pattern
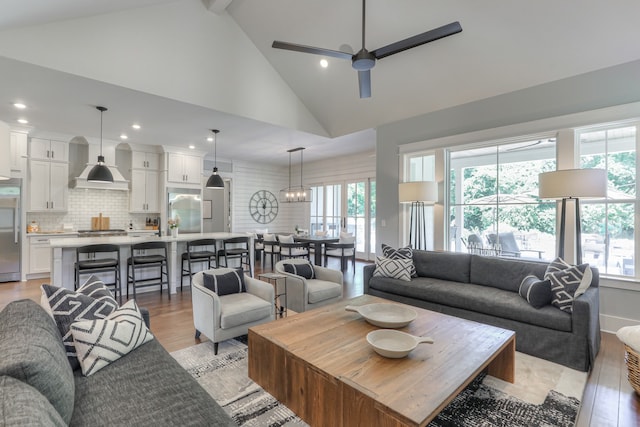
point(225, 281)
point(305, 270)
point(401, 253)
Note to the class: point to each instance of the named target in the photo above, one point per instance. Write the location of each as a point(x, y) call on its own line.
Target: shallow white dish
point(385, 315)
point(394, 344)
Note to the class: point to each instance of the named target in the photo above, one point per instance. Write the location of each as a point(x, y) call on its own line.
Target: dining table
point(318, 243)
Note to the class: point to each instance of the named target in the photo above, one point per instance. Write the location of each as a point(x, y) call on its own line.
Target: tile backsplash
point(84, 204)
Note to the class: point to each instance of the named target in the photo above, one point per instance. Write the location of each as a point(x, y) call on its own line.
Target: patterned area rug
point(545, 394)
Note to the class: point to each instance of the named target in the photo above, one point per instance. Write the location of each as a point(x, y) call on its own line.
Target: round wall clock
point(263, 206)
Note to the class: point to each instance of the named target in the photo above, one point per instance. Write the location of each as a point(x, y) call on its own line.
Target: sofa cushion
point(225, 281)
point(23, 405)
point(240, 309)
point(100, 342)
point(27, 330)
point(145, 388)
point(300, 269)
point(400, 253)
point(399, 268)
point(322, 290)
point(481, 299)
point(503, 273)
point(535, 291)
point(452, 266)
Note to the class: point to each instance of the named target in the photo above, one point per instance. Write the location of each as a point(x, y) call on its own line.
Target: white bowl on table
point(385, 315)
point(394, 344)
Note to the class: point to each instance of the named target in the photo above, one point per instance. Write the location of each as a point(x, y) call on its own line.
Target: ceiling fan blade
point(364, 80)
point(310, 49)
point(420, 39)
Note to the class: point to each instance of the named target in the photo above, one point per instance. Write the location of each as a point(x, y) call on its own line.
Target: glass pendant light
point(215, 181)
point(100, 172)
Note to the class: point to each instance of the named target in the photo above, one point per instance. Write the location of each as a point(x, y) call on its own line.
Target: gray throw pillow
point(32, 352)
point(400, 253)
point(535, 291)
point(225, 281)
point(22, 405)
point(305, 270)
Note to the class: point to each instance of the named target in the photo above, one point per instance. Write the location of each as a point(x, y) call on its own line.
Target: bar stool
point(236, 248)
point(151, 260)
point(87, 263)
point(197, 252)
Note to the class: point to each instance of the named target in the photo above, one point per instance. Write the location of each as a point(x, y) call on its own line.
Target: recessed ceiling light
point(210, 139)
point(135, 126)
point(23, 121)
point(124, 136)
point(192, 147)
point(19, 106)
point(324, 63)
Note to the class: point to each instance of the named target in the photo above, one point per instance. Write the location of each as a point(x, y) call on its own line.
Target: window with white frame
point(608, 226)
point(494, 208)
point(419, 167)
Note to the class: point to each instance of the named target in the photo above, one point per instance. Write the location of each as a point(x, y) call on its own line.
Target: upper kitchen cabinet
point(46, 149)
point(144, 182)
point(184, 169)
point(48, 178)
point(144, 160)
point(18, 151)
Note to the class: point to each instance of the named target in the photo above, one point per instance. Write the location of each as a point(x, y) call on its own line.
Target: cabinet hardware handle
point(52, 205)
point(53, 154)
point(48, 154)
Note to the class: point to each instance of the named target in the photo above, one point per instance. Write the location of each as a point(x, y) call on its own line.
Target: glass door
point(359, 208)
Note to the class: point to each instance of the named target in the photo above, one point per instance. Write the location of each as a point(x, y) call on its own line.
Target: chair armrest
point(260, 289)
point(297, 293)
point(328, 274)
point(585, 319)
point(206, 309)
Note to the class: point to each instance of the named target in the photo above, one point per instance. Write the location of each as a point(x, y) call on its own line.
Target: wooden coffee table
point(319, 365)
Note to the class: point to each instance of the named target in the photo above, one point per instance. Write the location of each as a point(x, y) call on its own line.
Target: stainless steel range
point(102, 233)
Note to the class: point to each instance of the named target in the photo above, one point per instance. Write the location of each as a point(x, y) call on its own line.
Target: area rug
point(545, 393)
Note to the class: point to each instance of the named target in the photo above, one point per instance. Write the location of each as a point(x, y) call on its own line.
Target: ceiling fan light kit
point(294, 194)
point(365, 60)
point(215, 181)
point(100, 172)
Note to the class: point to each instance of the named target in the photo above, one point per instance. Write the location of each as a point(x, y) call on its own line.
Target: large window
point(419, 167)
point(493, 200)
point(608, 226)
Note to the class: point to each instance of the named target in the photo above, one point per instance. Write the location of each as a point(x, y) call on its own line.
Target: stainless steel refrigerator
point(187, 204)
point(10, 230)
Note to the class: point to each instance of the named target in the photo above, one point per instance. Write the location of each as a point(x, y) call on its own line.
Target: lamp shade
point(100, 172)
point(418, 191)
point(573, 183)
point(215, 181)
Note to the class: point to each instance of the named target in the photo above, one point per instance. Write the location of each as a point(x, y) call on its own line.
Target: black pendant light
point(100, 172)
point(215, 181)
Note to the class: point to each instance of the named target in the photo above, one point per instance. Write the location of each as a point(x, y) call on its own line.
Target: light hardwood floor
point(609, 399)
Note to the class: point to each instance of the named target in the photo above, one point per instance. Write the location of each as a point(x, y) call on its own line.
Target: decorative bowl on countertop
point(385, 315)
point(394, 344)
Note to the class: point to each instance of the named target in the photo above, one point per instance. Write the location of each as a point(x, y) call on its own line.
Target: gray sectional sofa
point(485, 289)
point(147, 387)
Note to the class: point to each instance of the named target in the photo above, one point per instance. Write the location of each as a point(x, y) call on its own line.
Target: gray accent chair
point(306, 294)
point(221, 318)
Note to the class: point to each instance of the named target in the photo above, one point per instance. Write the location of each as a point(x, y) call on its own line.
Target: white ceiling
point(505, 45)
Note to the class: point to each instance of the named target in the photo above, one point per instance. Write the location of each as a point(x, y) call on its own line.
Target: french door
point(348, 206)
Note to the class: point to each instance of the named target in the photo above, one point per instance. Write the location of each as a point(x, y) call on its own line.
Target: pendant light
point(293, 194)
point(100, 172)
point(215, 181)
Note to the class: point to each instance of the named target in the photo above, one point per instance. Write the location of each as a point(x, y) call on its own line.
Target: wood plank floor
point(609, 399)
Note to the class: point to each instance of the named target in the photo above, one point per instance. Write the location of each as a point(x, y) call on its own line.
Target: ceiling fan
point(365, 60)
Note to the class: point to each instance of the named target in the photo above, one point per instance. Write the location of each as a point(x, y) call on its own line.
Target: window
point(493, 199)
point(419, 167)
point(608, 226)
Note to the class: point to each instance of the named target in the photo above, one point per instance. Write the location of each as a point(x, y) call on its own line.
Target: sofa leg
point(197, 334)
point(215, 348)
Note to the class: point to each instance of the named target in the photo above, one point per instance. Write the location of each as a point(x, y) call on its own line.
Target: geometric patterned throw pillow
point(305, 270)
point(568, 284)
point(400, 253)
point(91, 301)
point(393, 268)
point(225, 281)
point(103, 341)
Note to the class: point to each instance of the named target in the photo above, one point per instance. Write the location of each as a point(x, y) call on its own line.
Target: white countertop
point(67, 242)
point(52, 233)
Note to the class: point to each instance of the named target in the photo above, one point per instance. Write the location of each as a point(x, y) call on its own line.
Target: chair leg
point(197, 334)
point(215, 348)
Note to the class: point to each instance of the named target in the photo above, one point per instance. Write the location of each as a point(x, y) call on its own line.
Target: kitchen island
point(64, 254)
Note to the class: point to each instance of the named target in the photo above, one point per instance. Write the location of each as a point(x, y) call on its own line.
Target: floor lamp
point(418, 193)
point(573, 184)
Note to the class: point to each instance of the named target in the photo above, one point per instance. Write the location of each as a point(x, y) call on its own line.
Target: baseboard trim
point(613, 323)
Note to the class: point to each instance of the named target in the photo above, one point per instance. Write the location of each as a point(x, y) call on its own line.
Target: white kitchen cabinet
point(39, 255)
point(18, 151)
point(46, 149)
point(185, 169)
point(48, 182)
point(143, 160)
point(144, 191)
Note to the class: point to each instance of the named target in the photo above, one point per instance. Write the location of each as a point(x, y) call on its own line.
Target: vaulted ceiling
point(182, 67)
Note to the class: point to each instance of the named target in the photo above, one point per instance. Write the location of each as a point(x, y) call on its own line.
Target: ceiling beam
point(216, 6)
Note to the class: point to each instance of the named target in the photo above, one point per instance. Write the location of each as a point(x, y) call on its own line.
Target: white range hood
point(109, 153)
